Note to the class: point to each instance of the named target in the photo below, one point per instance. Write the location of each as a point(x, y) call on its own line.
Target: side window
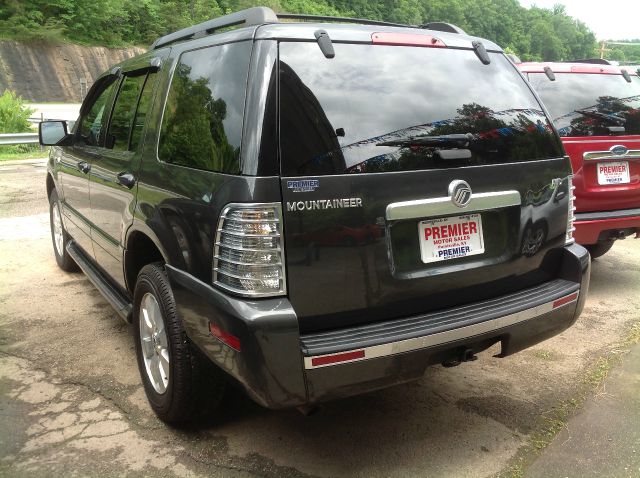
point(91, 124)
point(202, 123)
point(144, 105)
point(123, 113)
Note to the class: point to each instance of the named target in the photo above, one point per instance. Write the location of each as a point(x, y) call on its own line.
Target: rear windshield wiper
point(603, 116)
point(459, 140)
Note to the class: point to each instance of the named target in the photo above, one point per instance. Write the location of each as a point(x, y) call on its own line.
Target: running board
point(118, 301)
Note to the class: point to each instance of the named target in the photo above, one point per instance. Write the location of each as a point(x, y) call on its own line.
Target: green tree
point(534, 33)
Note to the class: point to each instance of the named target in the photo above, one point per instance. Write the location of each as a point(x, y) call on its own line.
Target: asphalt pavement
point(71, 403)
point(603, 440)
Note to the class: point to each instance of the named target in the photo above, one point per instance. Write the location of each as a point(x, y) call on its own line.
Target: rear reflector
point(565, 300)
point(225, 337)
point(344, 357)
point(406, 39)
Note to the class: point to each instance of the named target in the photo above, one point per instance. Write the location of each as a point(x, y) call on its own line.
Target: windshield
point(583, 104)
point(377, 108)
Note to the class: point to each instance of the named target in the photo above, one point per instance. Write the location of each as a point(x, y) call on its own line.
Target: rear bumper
point(279, 368)
point(594, 226)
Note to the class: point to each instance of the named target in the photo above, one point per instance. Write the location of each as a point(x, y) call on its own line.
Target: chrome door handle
point(84, 167)
point(127, 179)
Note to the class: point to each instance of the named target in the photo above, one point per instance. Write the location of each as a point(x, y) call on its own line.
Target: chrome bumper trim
point(440, 338)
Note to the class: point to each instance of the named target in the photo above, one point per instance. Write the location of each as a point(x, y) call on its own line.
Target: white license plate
point(613, 172)
point(450, 238)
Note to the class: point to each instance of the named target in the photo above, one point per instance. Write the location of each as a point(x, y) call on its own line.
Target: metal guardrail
point(18, 138)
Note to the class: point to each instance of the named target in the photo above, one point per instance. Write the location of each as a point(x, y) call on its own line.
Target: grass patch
point(543, 354)
point(30, 154)
point(554, 420)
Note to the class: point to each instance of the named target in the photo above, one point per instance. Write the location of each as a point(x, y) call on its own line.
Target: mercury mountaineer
point(315, 208)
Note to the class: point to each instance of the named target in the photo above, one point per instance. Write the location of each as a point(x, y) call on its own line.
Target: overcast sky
point(609, 20)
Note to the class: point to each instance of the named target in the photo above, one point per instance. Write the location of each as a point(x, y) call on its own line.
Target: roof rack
point(250, 16)
point(443, 27)
point(323, 18)
point(261, 15)
point(593, 61)
point(438, 26)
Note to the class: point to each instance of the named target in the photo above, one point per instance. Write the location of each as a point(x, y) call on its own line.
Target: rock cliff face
point(61, 73)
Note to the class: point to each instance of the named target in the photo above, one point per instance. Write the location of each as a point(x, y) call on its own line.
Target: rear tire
point(179, 383)
point(59, 236)
point(599, 249)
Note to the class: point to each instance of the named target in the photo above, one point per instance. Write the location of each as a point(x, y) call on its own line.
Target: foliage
point(534, 34)
point(628, 53)
point(14, 118)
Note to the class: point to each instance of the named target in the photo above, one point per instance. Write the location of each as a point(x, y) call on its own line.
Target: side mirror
point(53, 133)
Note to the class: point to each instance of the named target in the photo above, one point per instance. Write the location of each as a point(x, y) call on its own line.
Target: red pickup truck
point(595, 107)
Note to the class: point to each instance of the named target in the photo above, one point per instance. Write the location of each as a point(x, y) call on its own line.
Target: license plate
point(450, 238)
point(613, 173)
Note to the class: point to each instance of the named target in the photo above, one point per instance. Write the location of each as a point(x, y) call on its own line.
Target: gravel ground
point(71, 402)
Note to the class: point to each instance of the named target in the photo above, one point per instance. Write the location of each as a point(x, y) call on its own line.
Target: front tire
point(180, 385)
point(599, 249)
point(59, 236)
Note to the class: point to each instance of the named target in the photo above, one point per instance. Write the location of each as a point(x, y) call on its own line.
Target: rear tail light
point(572, 208)
point(249, 254)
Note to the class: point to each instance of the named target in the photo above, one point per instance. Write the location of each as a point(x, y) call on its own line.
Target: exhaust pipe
point(308, 410)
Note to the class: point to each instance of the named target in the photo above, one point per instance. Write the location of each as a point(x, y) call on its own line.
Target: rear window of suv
point(376, 108)
point(587, 104)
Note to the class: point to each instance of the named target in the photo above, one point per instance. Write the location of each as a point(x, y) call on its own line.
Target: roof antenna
point(324, 42)
point(626, 75)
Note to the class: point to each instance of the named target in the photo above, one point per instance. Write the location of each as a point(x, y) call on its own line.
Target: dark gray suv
point(316, 208)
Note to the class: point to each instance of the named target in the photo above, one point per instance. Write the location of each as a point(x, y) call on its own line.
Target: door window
point(91, 125)
point(144, 105)
point(124, 113)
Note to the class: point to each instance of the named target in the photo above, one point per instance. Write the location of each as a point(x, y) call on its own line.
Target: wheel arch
point(51, 185)
point(142, 247)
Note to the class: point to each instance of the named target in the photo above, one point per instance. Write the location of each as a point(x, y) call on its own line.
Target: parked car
point(192, 187)
point(596, 109)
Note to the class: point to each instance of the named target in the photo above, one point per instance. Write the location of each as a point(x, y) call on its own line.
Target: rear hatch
point(376, 145)
point(597, 113)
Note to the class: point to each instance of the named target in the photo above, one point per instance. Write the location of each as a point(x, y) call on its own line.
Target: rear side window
point(589, 104)
point(202, 122)
point(376, 108)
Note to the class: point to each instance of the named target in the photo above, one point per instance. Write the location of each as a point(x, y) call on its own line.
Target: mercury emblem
point(460, 192)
